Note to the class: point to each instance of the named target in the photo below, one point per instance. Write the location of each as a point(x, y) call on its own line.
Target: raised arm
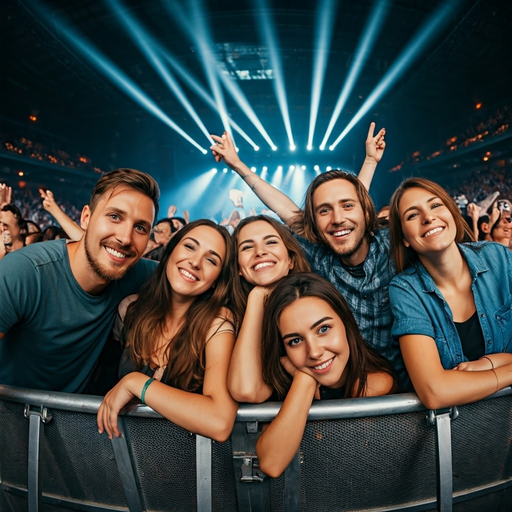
point(72, 229)
point(211, 414)
point(375, 146)
point(280, 203)
point(438, 387)
point(5, 194)
point(245, 379)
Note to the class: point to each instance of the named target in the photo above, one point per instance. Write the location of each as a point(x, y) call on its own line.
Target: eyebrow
point(197, 243)
point(266, 237)
point(415, 207)
point(316, 324)
point(344, 200)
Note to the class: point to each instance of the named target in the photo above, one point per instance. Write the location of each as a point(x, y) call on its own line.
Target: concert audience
point(179, 337)
point(339, 234)
point(451, 301)
point(309, 330)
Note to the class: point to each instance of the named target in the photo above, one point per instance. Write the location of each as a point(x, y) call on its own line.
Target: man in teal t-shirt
point(58, 300)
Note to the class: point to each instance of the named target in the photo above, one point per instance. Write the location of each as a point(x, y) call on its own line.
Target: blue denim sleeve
point(409, 314)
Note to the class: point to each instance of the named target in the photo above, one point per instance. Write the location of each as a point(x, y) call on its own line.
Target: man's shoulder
point(35, 255)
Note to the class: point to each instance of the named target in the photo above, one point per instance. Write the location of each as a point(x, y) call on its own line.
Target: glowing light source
point(478, 105)
point(33, 118)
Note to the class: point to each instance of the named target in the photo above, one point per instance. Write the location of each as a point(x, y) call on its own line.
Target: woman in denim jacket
point(452, 302)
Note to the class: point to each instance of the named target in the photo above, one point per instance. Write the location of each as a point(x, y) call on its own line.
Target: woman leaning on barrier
point(180, 337)
point(312, 348)
point(452, 301)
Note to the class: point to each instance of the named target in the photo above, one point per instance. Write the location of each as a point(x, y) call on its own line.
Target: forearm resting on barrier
point(279, 442)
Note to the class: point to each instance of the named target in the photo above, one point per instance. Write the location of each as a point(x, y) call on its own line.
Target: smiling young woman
point(266, 251)
point(452, 303)
point(312, 347)
point(179, 336)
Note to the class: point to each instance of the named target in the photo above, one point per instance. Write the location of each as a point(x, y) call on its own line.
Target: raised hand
point(5, 194)
point(375, 144)
point(224, 149)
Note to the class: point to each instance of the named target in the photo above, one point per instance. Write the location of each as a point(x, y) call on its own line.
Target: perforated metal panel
point(358, 464)
point(164, 457)
point(76, 462)
point(223, 478)
point(13, 444)
point(482, 444)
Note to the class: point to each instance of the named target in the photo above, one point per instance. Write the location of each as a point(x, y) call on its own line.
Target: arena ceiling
point(464, 61)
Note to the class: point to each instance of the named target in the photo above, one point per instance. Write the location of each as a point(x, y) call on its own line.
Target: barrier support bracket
point(442, 418)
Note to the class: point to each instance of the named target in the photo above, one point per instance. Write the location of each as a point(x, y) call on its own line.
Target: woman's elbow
point(222, 428)
point(271, 468)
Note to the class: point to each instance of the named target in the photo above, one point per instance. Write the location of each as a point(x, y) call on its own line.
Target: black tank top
point(471, 337)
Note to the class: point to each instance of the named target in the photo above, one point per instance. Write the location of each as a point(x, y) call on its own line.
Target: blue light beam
point(323, 35)
point(115, 74)
point(268, 34)
point(433, 25)
point(146, 43)
point(370, 34)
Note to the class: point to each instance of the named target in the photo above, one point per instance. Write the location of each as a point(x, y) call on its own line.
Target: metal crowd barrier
point(378, 454)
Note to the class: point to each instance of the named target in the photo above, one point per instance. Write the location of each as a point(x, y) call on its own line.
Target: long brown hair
point(304, 222)
point(241, 287)
point(363, 359)
point(406, 256)
point(146, 317)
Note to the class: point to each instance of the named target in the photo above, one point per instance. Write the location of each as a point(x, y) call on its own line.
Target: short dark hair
point(167, 220)
point(22, 223)
point(133, 178)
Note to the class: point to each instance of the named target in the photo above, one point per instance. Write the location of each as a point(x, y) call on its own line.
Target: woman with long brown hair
point(452, 302)
point(180, 335)
point(310, 332)
point(266, 251)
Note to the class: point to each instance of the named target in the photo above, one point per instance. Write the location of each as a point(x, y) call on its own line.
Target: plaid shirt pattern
point(367, 297)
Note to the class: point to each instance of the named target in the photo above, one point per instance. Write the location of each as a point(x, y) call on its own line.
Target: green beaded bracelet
point(144, 389)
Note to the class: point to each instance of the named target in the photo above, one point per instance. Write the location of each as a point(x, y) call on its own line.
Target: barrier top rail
point(320, 410)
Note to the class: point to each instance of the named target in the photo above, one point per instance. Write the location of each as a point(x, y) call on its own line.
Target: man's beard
point(341, 250)
point(101, 271)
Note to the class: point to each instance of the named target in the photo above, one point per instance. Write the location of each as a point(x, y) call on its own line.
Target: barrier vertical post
point(34, 436)
point(442, 420)
point(204, 473)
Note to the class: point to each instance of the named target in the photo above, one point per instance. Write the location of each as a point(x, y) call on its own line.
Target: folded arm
point(438, 387)
point(211, 414)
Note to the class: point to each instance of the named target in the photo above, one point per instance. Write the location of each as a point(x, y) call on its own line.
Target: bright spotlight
point(292, 167)
point(214, 170)
point(328, 168)
point(274, 148)
point(265, 168)
point(257, 148)
point(322, 147)
point(331, 148)
point(279, 167)
point(303, 167)
point(293, 147)
point(310, 147)
point(317, 167)
point(253, 169)
point(224, 170)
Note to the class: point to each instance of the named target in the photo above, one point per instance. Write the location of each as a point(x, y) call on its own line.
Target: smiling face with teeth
point(196, 263)
point(263, 257)
point(116, 232)
point(315, 340)
point(427, 224)
point(341, 221)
